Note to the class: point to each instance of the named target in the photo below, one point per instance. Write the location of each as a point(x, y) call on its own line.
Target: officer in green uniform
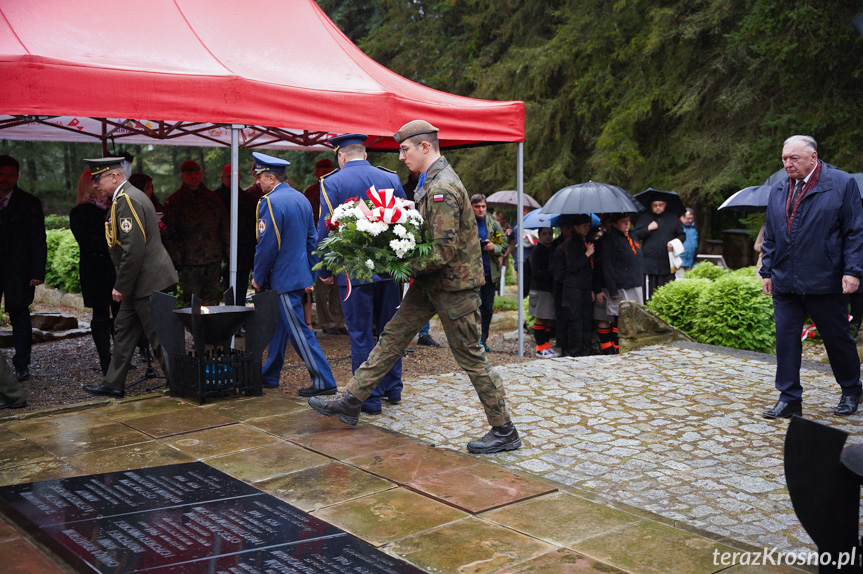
point(448, 286)
point(142, 265)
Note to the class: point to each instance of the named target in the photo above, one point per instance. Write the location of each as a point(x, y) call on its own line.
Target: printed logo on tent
point(75, 123)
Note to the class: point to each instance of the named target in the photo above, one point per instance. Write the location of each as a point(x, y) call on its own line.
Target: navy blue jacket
point(352, 180)
point(286, 239)
point(826, 239)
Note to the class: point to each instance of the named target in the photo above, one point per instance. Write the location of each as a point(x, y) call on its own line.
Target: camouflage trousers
point(459, 315)
point(203, 281)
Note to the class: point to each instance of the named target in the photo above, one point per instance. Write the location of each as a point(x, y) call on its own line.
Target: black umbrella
point(752, 198)
point(778, 175)
point(590, 197)
point(673, 203)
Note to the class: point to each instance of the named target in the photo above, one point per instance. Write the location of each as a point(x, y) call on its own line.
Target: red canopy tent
point(185, 65)
point(211, 72)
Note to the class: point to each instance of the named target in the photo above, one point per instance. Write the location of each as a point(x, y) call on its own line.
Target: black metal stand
point(149, 374)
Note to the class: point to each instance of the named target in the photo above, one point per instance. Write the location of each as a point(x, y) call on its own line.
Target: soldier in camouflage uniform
point(447, 286)
point(198, 236)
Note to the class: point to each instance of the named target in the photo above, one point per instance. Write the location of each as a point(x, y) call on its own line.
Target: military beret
point(347, 139)
point(100, 165)
point(264, 162)
point(414, 128)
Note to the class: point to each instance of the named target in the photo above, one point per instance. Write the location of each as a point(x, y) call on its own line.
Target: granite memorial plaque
point(182, 518)
point(342, 553)
point(87, 497)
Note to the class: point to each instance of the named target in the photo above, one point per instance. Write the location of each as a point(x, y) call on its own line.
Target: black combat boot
point(346, 407)
point(101, 331)
point(504, 437)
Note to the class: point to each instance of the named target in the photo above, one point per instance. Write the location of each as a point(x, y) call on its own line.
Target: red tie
point(795, 196)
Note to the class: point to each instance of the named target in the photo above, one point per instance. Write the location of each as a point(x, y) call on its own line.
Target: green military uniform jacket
point(132, 231)
point(493, 227)
point(451, 226)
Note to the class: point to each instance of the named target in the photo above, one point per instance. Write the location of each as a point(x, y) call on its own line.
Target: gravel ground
point(59, 368)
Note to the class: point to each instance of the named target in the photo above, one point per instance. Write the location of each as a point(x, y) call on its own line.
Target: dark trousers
point(829, 312)
point(372, 305)
point(486, 307)
point(579, 308)
point(22, 335)
point(561, 318)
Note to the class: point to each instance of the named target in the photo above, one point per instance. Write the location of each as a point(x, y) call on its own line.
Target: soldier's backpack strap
point(272, 218)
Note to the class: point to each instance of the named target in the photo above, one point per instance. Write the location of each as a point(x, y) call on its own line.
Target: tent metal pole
point(519, 178)
point(239, 298)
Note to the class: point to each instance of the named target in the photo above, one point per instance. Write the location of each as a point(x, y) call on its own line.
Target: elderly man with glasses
point(812, 256)
point(142, 265)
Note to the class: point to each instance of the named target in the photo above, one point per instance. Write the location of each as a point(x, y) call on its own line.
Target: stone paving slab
point(674, 431)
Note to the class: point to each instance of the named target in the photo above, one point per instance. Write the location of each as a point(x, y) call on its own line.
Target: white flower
point(370, 264)
point(400, 230)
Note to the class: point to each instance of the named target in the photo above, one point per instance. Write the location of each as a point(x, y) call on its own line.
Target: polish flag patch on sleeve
point(437, 197)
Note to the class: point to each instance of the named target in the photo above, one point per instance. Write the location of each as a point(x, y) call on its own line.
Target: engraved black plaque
point(183, 518)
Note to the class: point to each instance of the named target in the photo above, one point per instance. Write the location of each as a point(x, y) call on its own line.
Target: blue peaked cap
point(264, 162)
point(347, 139)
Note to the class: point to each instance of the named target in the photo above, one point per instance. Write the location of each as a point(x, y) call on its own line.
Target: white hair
point(808, 141)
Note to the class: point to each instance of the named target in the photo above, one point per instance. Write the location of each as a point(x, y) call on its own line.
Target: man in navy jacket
point(373, 303)
point(812, 256)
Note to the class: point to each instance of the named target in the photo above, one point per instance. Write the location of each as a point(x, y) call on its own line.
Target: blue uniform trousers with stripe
point(292, 327)
point(372, 303)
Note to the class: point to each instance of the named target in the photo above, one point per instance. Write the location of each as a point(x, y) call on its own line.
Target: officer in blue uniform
point(283, 258)
point(372, 302)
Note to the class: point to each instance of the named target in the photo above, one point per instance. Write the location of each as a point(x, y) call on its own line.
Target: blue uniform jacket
point(826, 239)
point(353, 180)
point(286, 239)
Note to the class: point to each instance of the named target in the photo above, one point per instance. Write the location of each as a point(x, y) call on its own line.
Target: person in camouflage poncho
point(448, 285)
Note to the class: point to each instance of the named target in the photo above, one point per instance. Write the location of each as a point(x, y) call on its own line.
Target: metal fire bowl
point(220, 323)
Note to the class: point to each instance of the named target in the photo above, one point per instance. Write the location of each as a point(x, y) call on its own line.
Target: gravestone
point(183, 518)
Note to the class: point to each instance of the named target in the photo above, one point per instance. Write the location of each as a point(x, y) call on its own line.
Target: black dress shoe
point(371, 411)
point(18, 405)
point(343, 331)
point(331, 331)
point(104, 391)
point(427, 341)
point(393, 400)
point(22, 374)
point(313, 392)
point(848, 405)
point(783, 410)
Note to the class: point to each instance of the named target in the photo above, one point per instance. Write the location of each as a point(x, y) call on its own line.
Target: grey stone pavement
point(673, 430)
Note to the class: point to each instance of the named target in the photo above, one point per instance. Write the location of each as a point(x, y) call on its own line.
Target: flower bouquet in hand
point(382, 235)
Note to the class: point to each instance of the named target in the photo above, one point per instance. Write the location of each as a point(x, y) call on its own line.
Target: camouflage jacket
point(451, 226)
point(198, 228)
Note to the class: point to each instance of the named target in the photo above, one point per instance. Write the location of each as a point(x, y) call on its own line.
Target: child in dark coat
point(621, 268)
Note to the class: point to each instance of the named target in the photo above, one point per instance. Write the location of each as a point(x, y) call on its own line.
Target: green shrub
point(733, 312)
point(505, 303)
point(706, 270)
point(63, 259)
point(748, 272)
point(56, 221)
point(677, 302)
